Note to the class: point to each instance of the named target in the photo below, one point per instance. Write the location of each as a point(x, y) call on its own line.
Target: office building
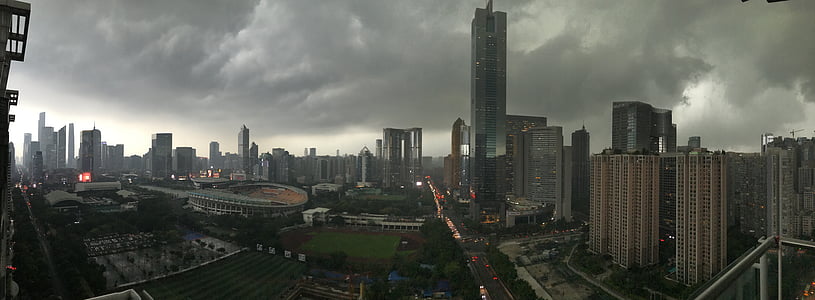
point(457, 175)
point(71, 161)
point(282, 164)
point(515, 125)
point(243, 149)
point(637, 126)
point(365, 167)
point(253, 158)
point(41, 136)
point(402, 157)
point(26, 150)
point(545, 169)
point(61, 147)
point(215, 157)
point(115, 157)
point(488, 114)
point(161, 155)
point(184, 161)
point(624, 208)
point(312, 152)
point(90, 151)
point(694, 142)
point(581, 159)
point(701, 216)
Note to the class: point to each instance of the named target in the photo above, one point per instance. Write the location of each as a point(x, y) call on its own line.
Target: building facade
point(515, 126)
point(401, 157)
point(161, 155)
point(581, 170)
point(624, 208)
point(701, 216)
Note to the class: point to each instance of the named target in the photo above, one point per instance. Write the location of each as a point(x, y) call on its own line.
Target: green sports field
point(248, 275)
point(354, 244)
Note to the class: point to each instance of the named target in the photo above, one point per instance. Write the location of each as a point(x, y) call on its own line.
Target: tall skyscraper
point(701, 216)
point(580, 170)
point(61, 147)
point(26, 150)
point(115, 157)
point(48, 148)
point(161, 155)
point(253, 158)
point(639, 126)
point(243, 148)
point(312, 152)
point(624, 208)
point(488, 113)
point(402, 157)
point(454, 175)
point(71, 162)
point(215, 155)
point(41, 136)
point(90, 151)
point(516, 125)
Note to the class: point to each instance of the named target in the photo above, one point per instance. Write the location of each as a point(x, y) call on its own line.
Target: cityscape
point(627, 150)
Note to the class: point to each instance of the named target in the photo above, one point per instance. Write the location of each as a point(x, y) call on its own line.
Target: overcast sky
point(332, 74)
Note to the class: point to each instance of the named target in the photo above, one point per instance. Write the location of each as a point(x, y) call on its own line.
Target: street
point(56, 281)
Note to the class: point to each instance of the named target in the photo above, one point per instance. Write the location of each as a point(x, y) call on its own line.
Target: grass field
point(248, 275)
point(354, 244)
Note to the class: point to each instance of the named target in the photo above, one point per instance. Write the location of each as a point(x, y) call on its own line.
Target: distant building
point(243, 149)
point(581, 170)
point(694, 142)
point(115, 157)
point(90, 151)
point(215, 157)
point(701, 216)
point(161, 154)
point(253, 157)
point(71, 162)
point(637, 126)
point(488, 105)
point(365, 166)
point(747, 192)
point(515, 125)
point(624, 208)
point(402, 153)
point(184, 161)
point(546, 169)
point(61, 147)
point(26, 150)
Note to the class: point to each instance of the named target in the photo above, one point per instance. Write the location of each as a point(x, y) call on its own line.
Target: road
point(494, 287)
point(56, 281)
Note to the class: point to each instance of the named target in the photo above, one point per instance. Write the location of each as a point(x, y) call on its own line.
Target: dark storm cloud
point(335, 67)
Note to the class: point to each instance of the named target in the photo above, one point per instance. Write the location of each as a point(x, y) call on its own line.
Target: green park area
point(247, 275)
point(356, 245)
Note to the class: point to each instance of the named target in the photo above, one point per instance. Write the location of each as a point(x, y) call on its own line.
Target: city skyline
point(713, 64)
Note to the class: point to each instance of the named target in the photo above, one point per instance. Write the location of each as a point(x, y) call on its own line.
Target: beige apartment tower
point(701, 217)
point(624, 208)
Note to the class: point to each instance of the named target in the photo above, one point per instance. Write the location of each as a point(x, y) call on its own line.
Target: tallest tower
point(488, 106)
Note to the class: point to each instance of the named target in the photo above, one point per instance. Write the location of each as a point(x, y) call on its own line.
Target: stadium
point(263, 199)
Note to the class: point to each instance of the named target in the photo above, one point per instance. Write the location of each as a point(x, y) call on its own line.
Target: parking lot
point(146, 263)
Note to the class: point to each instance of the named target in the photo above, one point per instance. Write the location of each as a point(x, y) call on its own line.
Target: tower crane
point(792, 132)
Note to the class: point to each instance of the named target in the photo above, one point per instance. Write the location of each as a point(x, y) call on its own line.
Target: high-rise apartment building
point(701, 216)
point(581, 162)
point(161, 155)
point(624, 208)
point(637, 126)
point(402, 157)
point(115, 157)
point(694, 142)
point(488, 113)
point(515, 125)
point(243, 149)
point(90, 151)
point(747, 192)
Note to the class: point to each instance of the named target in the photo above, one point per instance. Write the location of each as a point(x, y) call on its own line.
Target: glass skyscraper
point(488, 112)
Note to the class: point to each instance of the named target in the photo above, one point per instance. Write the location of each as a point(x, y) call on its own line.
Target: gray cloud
point(333, 69)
